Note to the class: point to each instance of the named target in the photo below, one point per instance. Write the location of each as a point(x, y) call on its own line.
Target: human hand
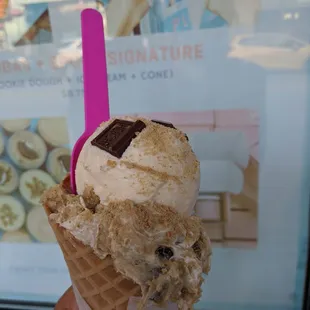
point(67, 301)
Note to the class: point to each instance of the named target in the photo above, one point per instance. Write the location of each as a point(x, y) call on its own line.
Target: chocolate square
point(166, 124)
point(116, 138)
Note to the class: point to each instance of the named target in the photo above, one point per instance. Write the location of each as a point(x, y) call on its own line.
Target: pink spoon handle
point(96, 95)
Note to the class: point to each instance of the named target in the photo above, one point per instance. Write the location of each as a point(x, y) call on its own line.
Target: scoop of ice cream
point(155, 163)
point(160, 249)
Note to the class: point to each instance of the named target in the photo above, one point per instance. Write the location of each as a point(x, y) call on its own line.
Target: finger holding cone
point(67, 301)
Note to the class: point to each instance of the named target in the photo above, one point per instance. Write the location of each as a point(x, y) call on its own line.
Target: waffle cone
point(97, 281)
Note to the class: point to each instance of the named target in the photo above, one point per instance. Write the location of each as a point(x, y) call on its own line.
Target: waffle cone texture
point(97, 281)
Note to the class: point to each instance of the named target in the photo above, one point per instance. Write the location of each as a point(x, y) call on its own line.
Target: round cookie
point(58, 163)
point(33, 183)
point(54, 131)
point(38, 225)
point(14, 125)
point(27, 149)
point(8, 178)
point(12, 214)
point(20, 236)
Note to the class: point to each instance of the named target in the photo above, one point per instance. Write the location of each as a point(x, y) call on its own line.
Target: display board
point(239, 93)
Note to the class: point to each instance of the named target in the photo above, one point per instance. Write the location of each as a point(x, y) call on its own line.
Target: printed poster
point(34, 156)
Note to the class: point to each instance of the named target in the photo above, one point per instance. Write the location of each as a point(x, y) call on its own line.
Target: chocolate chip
point(180, 240)
point(164, 252)
point(138, 262)
point(159, 297)
point(184, 291)
point(156, 297)
point(197, 249)
point(116, 138)
point(166, 124)
point(156, 272)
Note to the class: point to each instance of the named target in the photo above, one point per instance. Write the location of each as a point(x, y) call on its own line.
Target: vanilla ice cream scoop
point(139, 160)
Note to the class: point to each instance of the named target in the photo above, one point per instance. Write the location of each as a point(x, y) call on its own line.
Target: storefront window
point(233, 75)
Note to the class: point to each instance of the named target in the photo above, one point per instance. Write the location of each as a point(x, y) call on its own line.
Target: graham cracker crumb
point(111, 163)
point(170, 144)
point(161, 175)
point(90, 198)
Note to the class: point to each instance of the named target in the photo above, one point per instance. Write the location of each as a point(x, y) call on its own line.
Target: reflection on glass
point(270, 50)
point(69, 52)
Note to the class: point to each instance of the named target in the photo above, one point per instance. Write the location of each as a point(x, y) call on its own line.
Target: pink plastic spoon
point(96, 96)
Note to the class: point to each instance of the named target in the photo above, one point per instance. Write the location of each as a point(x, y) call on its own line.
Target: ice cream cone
point(96, 280)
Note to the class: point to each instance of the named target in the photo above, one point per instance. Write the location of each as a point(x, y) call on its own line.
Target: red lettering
point(153, 55)
point(175, 53)
point(112, 58)
point(198, 51)
point(141, 56)
point(129, 57)
point(164, 50)
point(187, 52)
